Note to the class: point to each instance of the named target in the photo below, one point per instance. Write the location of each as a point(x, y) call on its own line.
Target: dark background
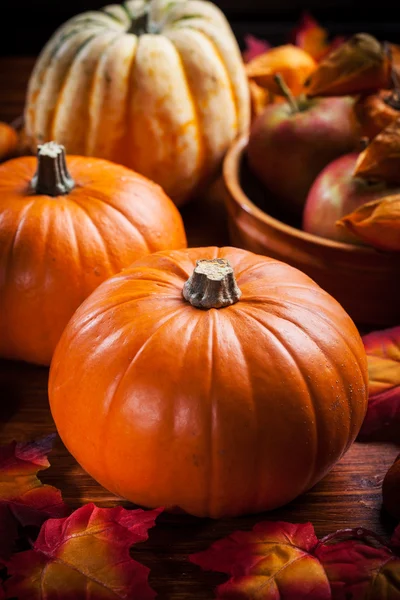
point(25, 25)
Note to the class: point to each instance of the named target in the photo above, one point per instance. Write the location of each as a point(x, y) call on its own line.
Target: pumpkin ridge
point(92, 86)
point(102, 199)
point(82, 70)
point(114, 396)
point(21, 219)
point(106, 252)
point(233, 95)
point(276, 335)
point(136, 274)
point(172, 258)
point(101, 313)
point(196, 113)
point(338, 331)
point(254, 407)
point(334, 367)
point(52, 114)
point(212, 333)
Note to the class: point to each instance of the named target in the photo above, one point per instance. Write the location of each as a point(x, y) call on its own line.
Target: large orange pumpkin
point(225, 388)
point(62, 233)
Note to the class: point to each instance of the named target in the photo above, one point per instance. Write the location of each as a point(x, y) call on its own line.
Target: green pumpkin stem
point(52, 177)
point(212, 285)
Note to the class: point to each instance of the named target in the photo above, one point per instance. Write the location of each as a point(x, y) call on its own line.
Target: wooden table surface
point(350, 496)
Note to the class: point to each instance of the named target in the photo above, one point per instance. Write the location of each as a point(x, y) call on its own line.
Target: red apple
point(336, 193)
point(289, 145)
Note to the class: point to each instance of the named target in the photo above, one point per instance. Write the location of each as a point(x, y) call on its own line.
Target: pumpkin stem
point(52, 177)
point(212, 285)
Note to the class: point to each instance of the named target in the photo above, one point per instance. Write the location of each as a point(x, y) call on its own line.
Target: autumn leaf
point(271, 562)
point(24, 500)
point(359, 565)
point(85, 555)
point(360, 64)
point(382, 421)
point(376, 223)
point(292, 63)
point(380, 160)
point(254, 46)
point(313, 38)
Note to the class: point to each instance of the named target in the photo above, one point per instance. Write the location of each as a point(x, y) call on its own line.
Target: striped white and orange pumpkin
point(156, 85)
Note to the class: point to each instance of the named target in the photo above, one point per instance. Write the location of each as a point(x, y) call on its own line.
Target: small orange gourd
point(212, 380)
point(62, 232)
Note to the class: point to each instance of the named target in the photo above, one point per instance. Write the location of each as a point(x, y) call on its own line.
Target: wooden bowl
point(365, 281)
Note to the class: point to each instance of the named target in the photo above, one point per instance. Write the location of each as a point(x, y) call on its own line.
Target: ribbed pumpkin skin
point(167, 104)
point(54, 251)
point(219, 412)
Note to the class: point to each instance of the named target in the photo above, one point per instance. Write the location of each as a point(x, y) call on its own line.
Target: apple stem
point(286, 92)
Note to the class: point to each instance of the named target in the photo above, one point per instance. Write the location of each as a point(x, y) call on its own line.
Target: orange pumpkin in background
point(64, 230)
point(213, 380)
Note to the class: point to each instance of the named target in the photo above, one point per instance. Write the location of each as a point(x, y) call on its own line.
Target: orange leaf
point(313, 38)
point(84, 556)
point(24, 500)
point(377, 223)
point(294, 64)
point(382, 421)
point(272, 561)
point(358, 65)
point(381, 158)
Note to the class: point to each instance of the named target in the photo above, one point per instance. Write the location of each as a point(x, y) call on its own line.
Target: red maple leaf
point(360, 566)
point(311, 37)
point(84, 556)
point(382, 421)
point(24, 499)
point(254, 46)
point(273, 561)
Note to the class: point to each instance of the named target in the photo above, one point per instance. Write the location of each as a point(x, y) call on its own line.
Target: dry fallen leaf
point(376, 223)
point(381, 158)
point(24, 500)
point(358, 65)
point(382, 421)
point(376, 111)
point(84, 556)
